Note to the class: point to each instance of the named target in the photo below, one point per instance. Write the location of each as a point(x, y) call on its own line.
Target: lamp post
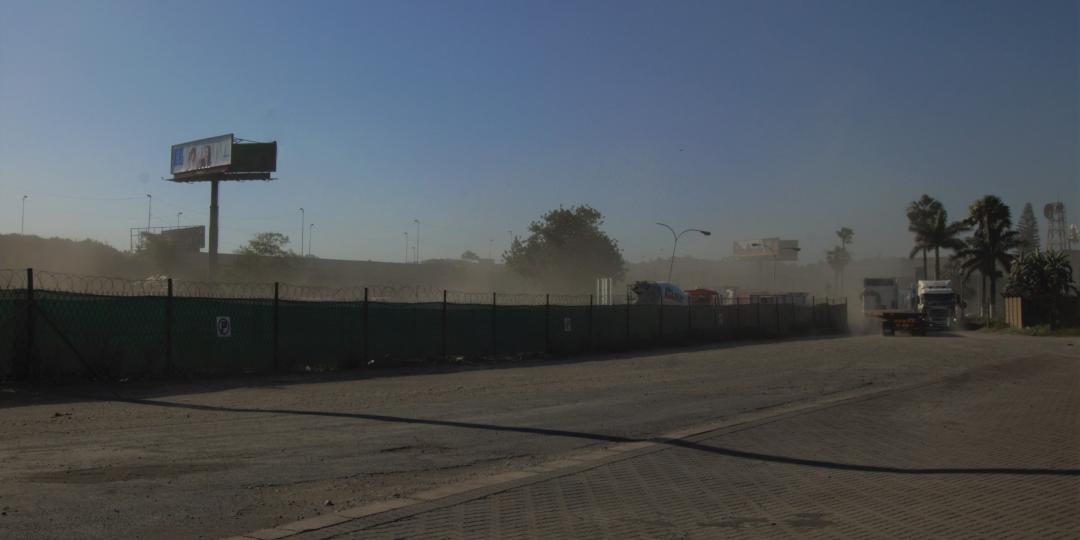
point(310, 239)
point(22, 220)
point(774, 253)
point(417, 221)
point(178, 214)
point(149, 208)
point(407, 247)
point(676, 236)
point(301, 232)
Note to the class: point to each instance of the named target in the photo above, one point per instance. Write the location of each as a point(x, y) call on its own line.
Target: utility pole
point(149, 208)
point(417, 240)
point(22, 221)
point(301, 232)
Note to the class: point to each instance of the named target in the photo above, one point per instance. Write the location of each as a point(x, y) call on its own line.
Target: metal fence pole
point(276, 326)
point(364, 330)
point(494, 344)
point(628, 323)
point(757, 325)
point(738, 321)
point(168, 326)
point(547, 324)
point(661, 317)
point(590, 322)
point(444, 325)
point(779, 332)
point(30, 363)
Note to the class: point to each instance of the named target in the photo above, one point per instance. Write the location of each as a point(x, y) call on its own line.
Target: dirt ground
point(213, 459)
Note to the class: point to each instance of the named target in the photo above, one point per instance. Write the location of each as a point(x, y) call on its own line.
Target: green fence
point(146, 330)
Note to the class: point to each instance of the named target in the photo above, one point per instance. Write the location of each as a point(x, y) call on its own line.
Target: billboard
point(203, 155)
point(766, 248)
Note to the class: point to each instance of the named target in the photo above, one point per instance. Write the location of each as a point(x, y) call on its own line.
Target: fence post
point(547, 324)
point(738, 320)
point(168, 326)
point(628, 322)
point(444, 325)
point(813, 313)
point(661, 317)
point(779, 332)
point(590, 347)
point(689, 318)
point(276, 326)
point(364, 330)
point(30, 366)
point(494, 344)
point(757, 325)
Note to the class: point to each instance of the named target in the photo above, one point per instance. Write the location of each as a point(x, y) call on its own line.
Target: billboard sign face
point(767, 248)
point(202, 155)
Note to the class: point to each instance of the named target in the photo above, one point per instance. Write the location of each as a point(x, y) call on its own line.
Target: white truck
point(937, 301)
point(929, 305)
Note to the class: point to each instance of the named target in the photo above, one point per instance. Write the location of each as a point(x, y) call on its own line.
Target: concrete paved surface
point(225, 459)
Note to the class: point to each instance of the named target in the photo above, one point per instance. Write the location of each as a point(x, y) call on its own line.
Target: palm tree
point(921, 214)
point(838, 257)
point(942, 234)
point(990, 246)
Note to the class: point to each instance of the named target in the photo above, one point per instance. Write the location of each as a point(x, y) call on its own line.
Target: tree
point(567, 250)
point(838, 257)
point(1043, 277)
point(266, 244)
point(939, 233)
point(1027, 230)
point(469, 256)
point(991, 245)
point(921, 214)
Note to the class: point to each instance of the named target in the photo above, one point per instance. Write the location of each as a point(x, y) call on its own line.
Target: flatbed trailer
point(912, 322)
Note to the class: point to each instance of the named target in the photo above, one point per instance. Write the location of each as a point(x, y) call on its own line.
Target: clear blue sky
point(747, 118)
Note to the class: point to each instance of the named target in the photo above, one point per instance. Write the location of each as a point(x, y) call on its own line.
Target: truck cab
point(937, 302)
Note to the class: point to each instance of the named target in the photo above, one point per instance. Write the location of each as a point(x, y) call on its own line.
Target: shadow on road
point(676, 443)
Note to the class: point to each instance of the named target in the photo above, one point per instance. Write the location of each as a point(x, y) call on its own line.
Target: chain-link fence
point(55, 326)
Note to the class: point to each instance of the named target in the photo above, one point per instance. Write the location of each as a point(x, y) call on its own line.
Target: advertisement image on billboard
point(202, 155)
point(766, 248)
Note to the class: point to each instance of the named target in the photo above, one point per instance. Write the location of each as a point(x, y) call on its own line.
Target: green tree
point(921, 214)
point(1027, 230)
point(567, 250)
point(1046, 277)
point(266, 244)
point(990, 247)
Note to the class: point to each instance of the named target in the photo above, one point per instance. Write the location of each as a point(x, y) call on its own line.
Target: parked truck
point(928, 305)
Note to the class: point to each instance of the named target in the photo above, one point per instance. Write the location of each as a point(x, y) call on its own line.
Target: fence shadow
point(40, 393)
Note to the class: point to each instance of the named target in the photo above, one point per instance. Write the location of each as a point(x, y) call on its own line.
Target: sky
point(750, 119)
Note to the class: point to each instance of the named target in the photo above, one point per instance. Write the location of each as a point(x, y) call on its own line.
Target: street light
point(774, 255)
point(178, 214)
point(407, 247)
point(417, 221)
point(671, 267)
point(310, 239)
point(149, 207)
point(22, 221)
point(301, 232)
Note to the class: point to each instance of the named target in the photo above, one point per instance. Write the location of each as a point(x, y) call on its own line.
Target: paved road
point(202, 460)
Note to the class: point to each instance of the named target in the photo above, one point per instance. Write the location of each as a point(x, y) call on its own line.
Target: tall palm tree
point(991, 246)
point(942, 234)
point(920, 214)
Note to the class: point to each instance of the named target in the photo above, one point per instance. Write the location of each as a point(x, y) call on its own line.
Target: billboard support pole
point(213, 251)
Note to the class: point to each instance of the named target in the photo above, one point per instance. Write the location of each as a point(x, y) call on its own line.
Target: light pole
point(407, 247)
point(671, 267)
point(310, 238)
point(22, 220)
point(774, 253)
point(149, 208)
point(417, 221)
point(301, 232)
point(178, 214)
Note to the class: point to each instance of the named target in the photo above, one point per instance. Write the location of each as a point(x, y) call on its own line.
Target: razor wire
point(99, 285)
